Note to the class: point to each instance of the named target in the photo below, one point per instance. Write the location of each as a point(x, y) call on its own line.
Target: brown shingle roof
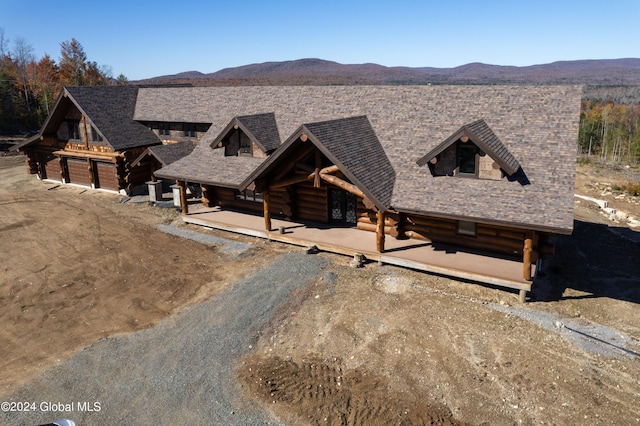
point(211, 166)
point(261, 129)
point(538, 125)
point(352, 145)
point(166, 154)
point(109, 108)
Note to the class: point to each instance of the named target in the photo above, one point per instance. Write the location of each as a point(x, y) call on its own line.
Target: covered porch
point(415, 254)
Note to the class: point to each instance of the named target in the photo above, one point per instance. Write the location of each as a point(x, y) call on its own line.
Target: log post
point(32, 162)
point(400, 227)
point(64, 171)
point(528, 255)
point(316, 173)
point(205, 196)
point(266, 197)
point(183, 196)
point(85, 133)
point(91, 174)
point(380, 231)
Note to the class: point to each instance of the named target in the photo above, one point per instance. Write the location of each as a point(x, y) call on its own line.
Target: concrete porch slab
point(415, 254)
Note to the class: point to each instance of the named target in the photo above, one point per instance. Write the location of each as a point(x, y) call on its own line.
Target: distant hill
point(592, 73)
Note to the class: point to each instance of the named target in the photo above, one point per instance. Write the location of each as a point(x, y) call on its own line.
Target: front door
point(342, 207)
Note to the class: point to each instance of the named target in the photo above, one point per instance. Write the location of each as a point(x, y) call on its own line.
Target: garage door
point(107, 178)
point(51, 168)
point(78, 171)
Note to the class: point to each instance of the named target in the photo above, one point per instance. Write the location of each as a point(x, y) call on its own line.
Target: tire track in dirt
point(322, 392)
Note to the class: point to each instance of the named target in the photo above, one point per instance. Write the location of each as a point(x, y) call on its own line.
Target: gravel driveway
point(178, 372)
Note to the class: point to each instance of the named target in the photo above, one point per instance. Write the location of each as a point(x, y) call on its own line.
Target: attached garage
point(78, 171)
point(106, 176)
point(50, 167)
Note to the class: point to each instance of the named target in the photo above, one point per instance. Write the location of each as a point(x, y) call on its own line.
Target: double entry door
point(342, 207)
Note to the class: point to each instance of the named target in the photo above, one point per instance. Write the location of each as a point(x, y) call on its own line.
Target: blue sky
point(142, 39)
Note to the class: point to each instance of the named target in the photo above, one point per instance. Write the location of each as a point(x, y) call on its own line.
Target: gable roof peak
point(262, 129)
point(484, 138)
point(349, 143)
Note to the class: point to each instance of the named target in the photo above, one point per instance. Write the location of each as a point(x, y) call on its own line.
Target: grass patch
point(632, 189)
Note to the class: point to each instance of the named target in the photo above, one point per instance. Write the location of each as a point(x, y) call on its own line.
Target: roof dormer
point(249, 135)
point(465, 153)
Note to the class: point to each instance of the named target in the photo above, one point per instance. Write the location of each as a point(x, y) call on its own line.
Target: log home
point(90, 139)
point(487, 168)
point(477, 168)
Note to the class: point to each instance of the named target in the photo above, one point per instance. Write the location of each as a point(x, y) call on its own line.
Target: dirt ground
point(79, 265)
point(376, 345)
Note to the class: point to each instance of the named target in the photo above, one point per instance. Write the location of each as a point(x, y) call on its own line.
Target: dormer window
point(472, 151)
point(245, 145)
point(247, 133)
point(467, 159)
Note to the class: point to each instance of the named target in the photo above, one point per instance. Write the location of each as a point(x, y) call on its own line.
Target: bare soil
point(376, 345)
point(79, 265)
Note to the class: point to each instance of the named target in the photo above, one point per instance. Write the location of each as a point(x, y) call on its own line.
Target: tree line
point(29, 87)
point(610, 131)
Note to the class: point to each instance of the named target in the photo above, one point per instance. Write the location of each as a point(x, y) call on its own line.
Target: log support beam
point(91, 174)
point(401, 227)
point(183, 196)
point(206, 201)
point(64, 171)
point(266, 197)
point(380, 231)
point(529, 255)
point(32, 162)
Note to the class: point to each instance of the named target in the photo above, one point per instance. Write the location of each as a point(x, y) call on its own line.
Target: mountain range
point(616, 80)
point(607, 72)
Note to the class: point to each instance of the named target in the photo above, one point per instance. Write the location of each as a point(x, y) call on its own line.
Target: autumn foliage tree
point(610, 131)
point(29, 87)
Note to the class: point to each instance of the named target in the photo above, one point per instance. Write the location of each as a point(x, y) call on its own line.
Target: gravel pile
point(181, 371)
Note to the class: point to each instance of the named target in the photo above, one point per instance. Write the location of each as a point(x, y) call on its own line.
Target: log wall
point(368, 221)
point(494, 238)
point(226, 197)
point(310, 203)
point(498, 239)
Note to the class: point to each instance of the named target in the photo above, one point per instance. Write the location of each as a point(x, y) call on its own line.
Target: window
point(245, 144)
point(467, 161)
point(74, 130)
point(189, 130)
point(466, 228)
point(164, 129)
point(249, 195)
point(95, 136)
